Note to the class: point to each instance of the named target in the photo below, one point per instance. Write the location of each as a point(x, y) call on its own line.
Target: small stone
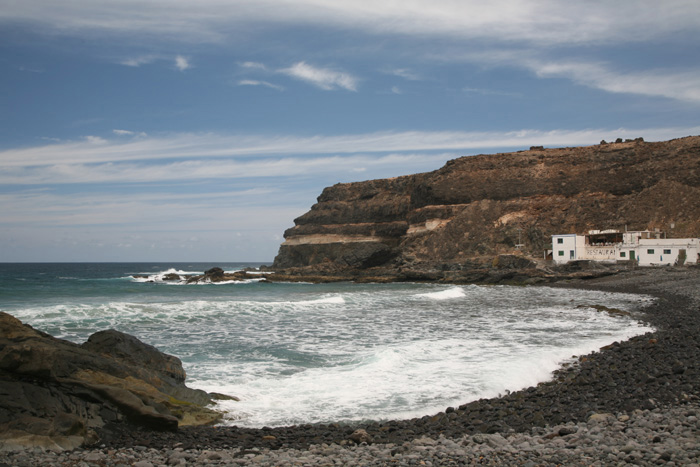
point(360, 436)
point(94, 456)
point(600, 417)
point(567, 430)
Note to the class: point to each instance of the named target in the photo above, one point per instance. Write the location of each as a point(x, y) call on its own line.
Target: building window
point(650, 251)
point(667, 252)
point(561, 253)
point(560, 240)
point(623, 254)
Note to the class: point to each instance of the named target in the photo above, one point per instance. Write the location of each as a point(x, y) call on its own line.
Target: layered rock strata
point(478, 207)
point(54, 394)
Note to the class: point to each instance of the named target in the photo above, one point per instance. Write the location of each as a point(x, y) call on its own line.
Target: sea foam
point(452, 292)
point(307, 353)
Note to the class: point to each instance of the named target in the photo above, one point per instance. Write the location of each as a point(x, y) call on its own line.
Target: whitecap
point(447, 294)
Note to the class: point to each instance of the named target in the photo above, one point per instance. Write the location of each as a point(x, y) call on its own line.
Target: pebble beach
point(632, 403)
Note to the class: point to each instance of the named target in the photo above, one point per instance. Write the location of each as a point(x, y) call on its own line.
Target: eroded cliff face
point(481, 206)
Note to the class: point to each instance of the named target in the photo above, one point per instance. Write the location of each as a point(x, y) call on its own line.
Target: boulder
point(215, 272)
point(54, 393)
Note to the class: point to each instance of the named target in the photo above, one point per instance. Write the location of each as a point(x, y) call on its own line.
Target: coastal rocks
point(172, 277)
point(666, 436)
point(55, 393)
point(215, 274)
point(346, 255)
point(477, 208)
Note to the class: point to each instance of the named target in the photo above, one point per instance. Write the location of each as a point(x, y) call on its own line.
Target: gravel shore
point(634, 402)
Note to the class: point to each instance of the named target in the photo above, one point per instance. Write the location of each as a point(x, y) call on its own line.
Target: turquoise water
point(306, 353)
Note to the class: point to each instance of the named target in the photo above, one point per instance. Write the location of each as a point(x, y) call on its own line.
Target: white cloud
point(323, 78)
point(95, 140)
point(252, 82)
point(198, 153)
point(542, 21)
point(138, 61)
point(142, 211)
point(253, 66)
point(681, 85)
point(192, 170)
point(678, 84)
point(405, 74)
point(182, 63)
point(129, 133)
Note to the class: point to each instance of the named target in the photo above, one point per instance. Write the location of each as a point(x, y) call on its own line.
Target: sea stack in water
point(54, 393)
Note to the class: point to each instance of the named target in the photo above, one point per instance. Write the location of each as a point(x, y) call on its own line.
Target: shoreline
point(650, 372)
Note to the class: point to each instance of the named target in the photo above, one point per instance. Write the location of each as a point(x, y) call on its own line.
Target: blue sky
point(197, 131)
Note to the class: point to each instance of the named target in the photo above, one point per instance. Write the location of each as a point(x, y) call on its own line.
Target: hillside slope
point(478, 207)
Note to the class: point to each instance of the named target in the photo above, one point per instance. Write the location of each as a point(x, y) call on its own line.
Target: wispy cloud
point(681, 84)
point(129, 133)
point(135, 173)
point(191, 147)
point(405, 74)
point(182, 63)
point(138, 61)
point(253, 66)
point(490, 92)
point(671, 83)
point(544, 21)
point(253, 82)
point(324, 78)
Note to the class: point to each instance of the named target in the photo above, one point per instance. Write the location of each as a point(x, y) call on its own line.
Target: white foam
point(391, 382)
point(453, 292)
point(333, 352)
point(244, 281)
point(158, 277)
point(332, 300)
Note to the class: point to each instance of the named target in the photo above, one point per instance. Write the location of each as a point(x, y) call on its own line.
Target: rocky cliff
point(55, 394)
point(476, 208)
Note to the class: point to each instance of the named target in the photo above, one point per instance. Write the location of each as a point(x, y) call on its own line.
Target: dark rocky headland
point(490, 218)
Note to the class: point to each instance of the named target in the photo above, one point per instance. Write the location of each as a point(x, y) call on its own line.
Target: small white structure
point(645, 247)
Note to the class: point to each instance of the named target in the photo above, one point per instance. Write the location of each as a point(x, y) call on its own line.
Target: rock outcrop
point(476, 208)
point(54, 394)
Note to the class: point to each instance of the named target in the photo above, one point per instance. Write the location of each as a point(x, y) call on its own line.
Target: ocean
point(298, 353)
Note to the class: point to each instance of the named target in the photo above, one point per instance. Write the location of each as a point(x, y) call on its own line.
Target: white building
point(645, 247)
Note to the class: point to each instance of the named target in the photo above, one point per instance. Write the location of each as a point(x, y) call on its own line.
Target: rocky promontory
point(55, 394)
point(456, 222)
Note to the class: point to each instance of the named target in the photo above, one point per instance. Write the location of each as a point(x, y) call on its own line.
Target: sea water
point(299, 353)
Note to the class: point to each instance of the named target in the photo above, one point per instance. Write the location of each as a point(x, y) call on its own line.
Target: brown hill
point(477, 207)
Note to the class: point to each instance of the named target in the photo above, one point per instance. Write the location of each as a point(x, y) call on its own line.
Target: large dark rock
point(54, 393)
point(214, 272)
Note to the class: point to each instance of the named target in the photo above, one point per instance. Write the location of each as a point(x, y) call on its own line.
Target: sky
point(176, 130)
